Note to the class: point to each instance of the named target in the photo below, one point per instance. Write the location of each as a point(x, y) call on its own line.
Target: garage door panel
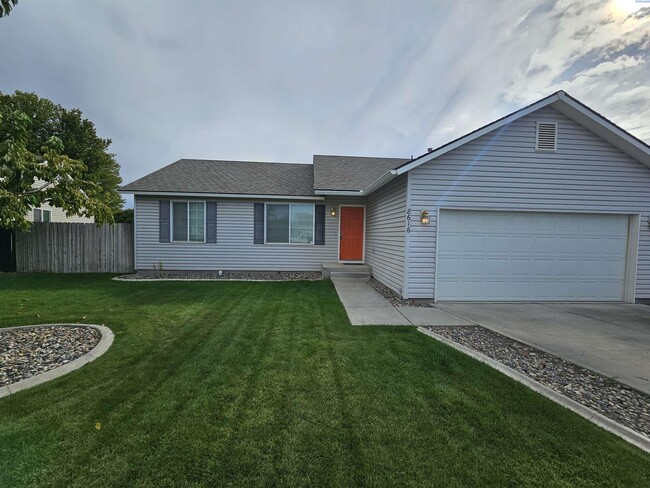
point(531, 256)
point(494, 244)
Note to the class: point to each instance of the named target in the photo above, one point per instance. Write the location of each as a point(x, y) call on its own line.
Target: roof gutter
point(388, 176)
point(220, 195)
point(351, 193)
point(385, 178)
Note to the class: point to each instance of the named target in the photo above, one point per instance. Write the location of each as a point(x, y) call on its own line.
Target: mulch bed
point(27, 352)
point(228, 275)
point(611, 398)
point(394, 298)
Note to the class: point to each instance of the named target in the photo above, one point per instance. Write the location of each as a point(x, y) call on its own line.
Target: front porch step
point(345, 270)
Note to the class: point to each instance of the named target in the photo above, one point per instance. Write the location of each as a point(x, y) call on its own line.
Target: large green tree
point(78, 135)
point(30, 179)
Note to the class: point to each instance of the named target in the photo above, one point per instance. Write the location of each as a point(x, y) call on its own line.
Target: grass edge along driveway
point(258, 384)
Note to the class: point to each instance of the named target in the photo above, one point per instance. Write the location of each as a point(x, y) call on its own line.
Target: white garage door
point(531, 256)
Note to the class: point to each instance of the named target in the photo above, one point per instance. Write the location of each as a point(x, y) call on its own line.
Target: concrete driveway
point(612, 339)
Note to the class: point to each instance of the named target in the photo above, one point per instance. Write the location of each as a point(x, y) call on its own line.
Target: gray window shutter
point(163, 221)
point(258, 228)
point(319, 220)
point(210, 221)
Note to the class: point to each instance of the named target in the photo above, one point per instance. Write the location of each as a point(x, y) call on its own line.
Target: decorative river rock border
point(33, 354)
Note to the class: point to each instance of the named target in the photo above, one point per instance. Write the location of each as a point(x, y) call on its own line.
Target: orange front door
point(351, 234)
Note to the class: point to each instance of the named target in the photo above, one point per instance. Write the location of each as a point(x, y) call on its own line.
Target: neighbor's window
point(188, 221)
point(289, 224)
point(41, 215)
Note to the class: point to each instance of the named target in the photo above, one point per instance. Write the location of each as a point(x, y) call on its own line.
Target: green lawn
point(261, 384)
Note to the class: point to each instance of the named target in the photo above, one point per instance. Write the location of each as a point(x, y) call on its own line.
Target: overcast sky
point(281, 81)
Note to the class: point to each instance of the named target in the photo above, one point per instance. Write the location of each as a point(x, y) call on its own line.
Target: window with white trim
point(289, 223)
point(188, 221)
point(42, 215)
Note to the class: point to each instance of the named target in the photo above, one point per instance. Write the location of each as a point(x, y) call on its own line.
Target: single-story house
point(551, 202)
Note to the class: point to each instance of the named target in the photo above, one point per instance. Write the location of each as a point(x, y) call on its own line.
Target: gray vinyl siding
point(234, 249)
point(502, 171)
point(385, 229)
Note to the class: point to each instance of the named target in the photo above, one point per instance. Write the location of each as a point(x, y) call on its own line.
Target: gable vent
point(546, 136)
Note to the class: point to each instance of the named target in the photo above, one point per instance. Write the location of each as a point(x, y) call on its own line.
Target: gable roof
point(566, 105)
point(350, 173)
point(228, 177)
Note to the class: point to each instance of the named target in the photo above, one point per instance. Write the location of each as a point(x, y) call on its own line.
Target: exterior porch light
point(333, 211)
point(424, 217)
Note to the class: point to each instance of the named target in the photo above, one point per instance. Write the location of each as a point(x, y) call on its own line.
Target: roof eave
point(352, 193)
point(381, 181)
point(220, 195)
point(478, 133)
point(385, 178)
point(568, 106)
point(603, 128)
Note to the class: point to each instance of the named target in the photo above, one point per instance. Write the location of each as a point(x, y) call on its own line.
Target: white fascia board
point(603, 128)
point(388, 176)
point(219, 195)
point(566, 105)
point(478, 133)
point(385, 178)
point(351, 193)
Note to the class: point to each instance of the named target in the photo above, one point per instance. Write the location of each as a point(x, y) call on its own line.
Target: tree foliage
point(6, 6)
point(79, 138)
point(29, 179)
point(124, 216)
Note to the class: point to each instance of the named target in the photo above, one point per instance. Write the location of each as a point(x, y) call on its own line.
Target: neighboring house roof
point(350, 173)
point(228, 177)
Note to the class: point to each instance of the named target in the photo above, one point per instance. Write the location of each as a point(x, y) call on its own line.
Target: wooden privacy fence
point(75, 248)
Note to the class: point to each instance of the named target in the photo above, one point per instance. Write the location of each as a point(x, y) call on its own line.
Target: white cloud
point(599, 53)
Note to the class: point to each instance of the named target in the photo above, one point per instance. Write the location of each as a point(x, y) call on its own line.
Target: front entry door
point(351, 234)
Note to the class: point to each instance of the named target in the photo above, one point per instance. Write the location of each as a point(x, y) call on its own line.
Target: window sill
point(288, 244)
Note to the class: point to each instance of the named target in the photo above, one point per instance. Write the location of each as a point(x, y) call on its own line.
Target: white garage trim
point(634, 228)
point(625, 259)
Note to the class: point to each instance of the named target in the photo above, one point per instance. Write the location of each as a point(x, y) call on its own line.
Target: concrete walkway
point(365, 306)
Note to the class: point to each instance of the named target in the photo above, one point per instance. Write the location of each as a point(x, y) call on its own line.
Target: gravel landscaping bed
point(229, 275)
point(612, 399)
point(27, 352)
point(394, 298)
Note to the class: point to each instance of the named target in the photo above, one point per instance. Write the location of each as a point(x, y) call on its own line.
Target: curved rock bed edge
point(34, 354)
point(604, 395)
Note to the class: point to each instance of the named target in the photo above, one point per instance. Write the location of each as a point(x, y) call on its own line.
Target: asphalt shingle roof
point(343, 173)
point(234, 177)
point(350, 173)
